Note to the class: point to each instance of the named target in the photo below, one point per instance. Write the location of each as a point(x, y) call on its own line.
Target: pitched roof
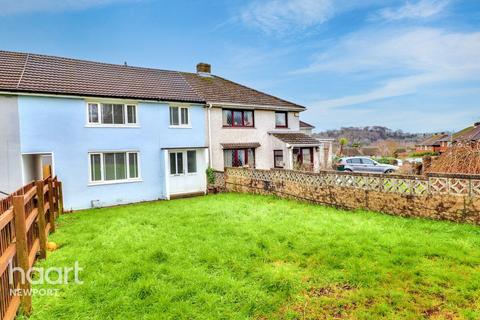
point(470, 134)
point(23, 72)
point(34, 73)
point(217, 89)
point(433, 140)
point(306, 125)
point(296, 138)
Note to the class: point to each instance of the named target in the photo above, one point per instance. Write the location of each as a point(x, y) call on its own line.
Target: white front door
point(187, 171)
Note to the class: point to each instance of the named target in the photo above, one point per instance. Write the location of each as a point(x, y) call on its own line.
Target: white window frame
point(111, 125)
point(185, 163)
point(179, 125)
point(102, 181)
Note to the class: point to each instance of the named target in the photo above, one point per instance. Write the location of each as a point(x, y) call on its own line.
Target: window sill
point(184, 174)
point(276, 127)
point(130, 126)
point(180, 127)
point(229, 127)
point(102, 183)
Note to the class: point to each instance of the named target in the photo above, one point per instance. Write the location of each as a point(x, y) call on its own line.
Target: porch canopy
point(297, 139)
point(242, 145)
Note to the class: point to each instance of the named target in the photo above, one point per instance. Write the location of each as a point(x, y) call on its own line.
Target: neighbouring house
point(118, 134)
point(326, 145)
point(435, 143)
point(306, 128)
point(246, 127)
point(470, 134)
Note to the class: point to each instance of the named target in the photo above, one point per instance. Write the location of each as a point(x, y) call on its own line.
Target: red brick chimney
point(204, 68)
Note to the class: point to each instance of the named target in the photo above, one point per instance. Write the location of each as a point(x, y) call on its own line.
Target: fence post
point(22, 251)
point(41, 220)
point(51, 205)
point(60, 197)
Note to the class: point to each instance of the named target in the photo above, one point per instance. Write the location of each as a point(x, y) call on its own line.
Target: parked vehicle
point(364, 164)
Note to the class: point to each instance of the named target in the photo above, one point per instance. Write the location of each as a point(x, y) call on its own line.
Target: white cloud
point(281, 16)
point(420, 9)
point(407, 60)
point(8, 7)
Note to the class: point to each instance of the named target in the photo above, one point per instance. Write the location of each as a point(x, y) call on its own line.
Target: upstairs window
point(281, 119)
point(179, 116)
point(238, 118)
point(112, 114)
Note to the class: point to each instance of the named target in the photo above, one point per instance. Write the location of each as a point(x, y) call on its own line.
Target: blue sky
point(411, 65)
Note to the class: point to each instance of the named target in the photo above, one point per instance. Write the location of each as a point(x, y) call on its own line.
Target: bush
point(386, 160)
point(423, 154)
point(210, 176)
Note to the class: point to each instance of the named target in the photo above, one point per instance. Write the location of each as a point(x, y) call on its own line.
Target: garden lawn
point(235, 256)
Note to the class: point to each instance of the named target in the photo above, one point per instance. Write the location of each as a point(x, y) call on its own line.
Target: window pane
point(280, 119)
point(95, 167)
point(120, 166)
point(174, 116)
point(228, 158)
point(227, 118)
point(248, 118)
point(239, 160)
point(93, 113)
point(173, 163)
point(237, 118)
point(109, 166)
point(366, 161)
point(133, 165)
point(184, 116)
point(251, 158)
point(306, 155)
point(180, 163)
point(118, 115)
point(131, 114)
point(192, 161)
point(278, 158)
point(107, 113)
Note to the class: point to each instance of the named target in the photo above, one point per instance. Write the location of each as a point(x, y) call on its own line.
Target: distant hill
point(369, 135)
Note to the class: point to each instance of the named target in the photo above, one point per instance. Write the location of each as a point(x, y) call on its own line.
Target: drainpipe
point(209, 137)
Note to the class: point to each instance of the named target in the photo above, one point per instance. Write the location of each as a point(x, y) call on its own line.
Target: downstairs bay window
point(108, 167)
point(239, 157)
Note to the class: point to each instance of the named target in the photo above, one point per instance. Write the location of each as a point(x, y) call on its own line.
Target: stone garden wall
point(437, 196)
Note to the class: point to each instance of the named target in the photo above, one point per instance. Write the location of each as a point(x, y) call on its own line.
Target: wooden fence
point(27, 216)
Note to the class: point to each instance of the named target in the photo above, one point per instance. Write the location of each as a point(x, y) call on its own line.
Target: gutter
point(209, 135)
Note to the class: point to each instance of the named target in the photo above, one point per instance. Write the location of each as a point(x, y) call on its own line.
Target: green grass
point(233, 256)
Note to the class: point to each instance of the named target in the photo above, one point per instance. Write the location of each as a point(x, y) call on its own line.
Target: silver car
point(364, 164)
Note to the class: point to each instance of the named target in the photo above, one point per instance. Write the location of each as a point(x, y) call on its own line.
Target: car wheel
point(347, 170)
point(389, 171)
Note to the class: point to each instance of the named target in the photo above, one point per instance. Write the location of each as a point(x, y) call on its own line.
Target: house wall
point(10, 157)
point(58, 125)
point(307, 131)
point(264, 123)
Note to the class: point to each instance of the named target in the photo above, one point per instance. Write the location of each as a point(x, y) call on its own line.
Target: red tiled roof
point(433, 140)
point(33, 73)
